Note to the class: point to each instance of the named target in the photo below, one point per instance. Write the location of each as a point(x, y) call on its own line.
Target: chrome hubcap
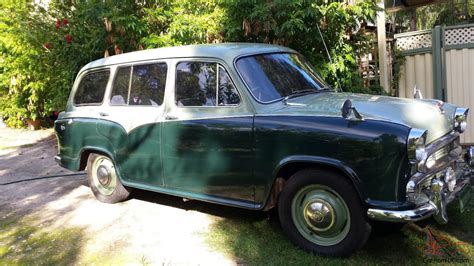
point(319, 215)
point(103, 175)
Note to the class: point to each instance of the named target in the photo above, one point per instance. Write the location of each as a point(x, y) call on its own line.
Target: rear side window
point(204, 84)
point(91, 89)
point(121, 86)
point(148, 84)
point(146, 87)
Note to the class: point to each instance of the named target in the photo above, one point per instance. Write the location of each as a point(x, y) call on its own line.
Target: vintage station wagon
point(254, 126)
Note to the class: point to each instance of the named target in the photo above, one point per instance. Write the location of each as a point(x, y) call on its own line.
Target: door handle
point(103, 114)
point(171, 117)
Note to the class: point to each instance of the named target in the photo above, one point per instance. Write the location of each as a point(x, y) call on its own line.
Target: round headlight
point(416, 145)
point(460, 119)
point(420, 152)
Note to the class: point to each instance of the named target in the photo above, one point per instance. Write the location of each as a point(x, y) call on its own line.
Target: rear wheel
point(103, 179)
point(321, 212)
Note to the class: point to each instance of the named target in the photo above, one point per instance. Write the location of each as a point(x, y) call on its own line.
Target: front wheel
point(103, 179)
point(321, 212)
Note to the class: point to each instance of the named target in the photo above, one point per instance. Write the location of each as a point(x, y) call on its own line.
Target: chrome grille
point(441, 152)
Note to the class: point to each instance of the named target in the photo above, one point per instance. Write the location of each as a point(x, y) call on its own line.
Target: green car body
point(236, 155)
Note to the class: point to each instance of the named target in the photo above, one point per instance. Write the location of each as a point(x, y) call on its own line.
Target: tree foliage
point(43, 48)
point(442, 13)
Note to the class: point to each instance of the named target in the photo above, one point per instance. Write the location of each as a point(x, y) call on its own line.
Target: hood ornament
point(417, 93)
point(349, 112)
point(440, 105)
point(436, 103)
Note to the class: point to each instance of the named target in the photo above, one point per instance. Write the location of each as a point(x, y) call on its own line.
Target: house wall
point(440, 63)
point(459, 60)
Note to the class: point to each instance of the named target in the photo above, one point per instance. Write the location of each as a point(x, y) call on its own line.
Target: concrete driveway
point(148, 229)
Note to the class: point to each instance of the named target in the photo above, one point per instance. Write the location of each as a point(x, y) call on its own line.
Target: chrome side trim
point(414, 215)
point(207, 117)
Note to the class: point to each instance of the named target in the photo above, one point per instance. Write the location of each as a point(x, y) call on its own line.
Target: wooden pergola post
point(382, 48)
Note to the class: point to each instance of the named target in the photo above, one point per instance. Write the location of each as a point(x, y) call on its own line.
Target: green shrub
point(42, 50)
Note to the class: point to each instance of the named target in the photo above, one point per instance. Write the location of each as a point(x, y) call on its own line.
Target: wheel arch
point(86, 151)
point(292, 164)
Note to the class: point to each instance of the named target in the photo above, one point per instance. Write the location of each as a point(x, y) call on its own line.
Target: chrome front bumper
point(436, 206)
point(414, 215)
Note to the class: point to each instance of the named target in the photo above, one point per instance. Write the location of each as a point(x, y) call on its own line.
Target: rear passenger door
point(207, 133)
point(132, 120)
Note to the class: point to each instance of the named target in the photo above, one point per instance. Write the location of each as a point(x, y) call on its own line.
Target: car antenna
point(329, 56)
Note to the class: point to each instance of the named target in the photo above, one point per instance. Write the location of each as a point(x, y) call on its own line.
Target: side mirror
point(347, 110)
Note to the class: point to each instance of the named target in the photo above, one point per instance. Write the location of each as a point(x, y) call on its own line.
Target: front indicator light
point(450, 179)
point(460, 119)
point(416, 145)
point(430, 162)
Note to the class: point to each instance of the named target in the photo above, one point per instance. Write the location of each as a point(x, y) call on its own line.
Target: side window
point(146, 87)
point(119, 95)
point(92, 87)
point(204, 84)
point(148, 84)
point(196, 84)
point(228, 94)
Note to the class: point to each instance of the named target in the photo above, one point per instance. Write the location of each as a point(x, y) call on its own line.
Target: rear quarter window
point(146, 87)
point(91, 88)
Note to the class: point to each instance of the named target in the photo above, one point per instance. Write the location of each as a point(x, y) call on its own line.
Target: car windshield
point(271, 77)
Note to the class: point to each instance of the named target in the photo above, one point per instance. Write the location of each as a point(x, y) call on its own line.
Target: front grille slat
point(439, 154)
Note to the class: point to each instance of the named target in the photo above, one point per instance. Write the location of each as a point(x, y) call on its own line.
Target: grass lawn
point(23, 244)
point(259, 240)
point(248, 238)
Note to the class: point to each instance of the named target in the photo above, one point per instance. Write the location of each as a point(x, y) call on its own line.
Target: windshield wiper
point(298, 93)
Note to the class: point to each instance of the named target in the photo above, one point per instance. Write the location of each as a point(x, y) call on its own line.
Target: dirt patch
point(25, 154)
point(148, 229)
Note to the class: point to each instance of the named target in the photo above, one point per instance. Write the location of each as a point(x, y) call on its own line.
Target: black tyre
point(103, 179)
point(321, 212)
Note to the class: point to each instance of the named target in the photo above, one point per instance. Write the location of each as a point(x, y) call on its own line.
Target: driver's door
point(207, 133)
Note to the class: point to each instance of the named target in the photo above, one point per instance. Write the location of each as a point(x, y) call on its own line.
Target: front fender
point(324, 161)
point(372, 153)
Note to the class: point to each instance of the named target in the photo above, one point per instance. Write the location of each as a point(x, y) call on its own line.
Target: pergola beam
point(406, 6)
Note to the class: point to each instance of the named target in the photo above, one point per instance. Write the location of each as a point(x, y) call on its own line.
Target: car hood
point(414, 113)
